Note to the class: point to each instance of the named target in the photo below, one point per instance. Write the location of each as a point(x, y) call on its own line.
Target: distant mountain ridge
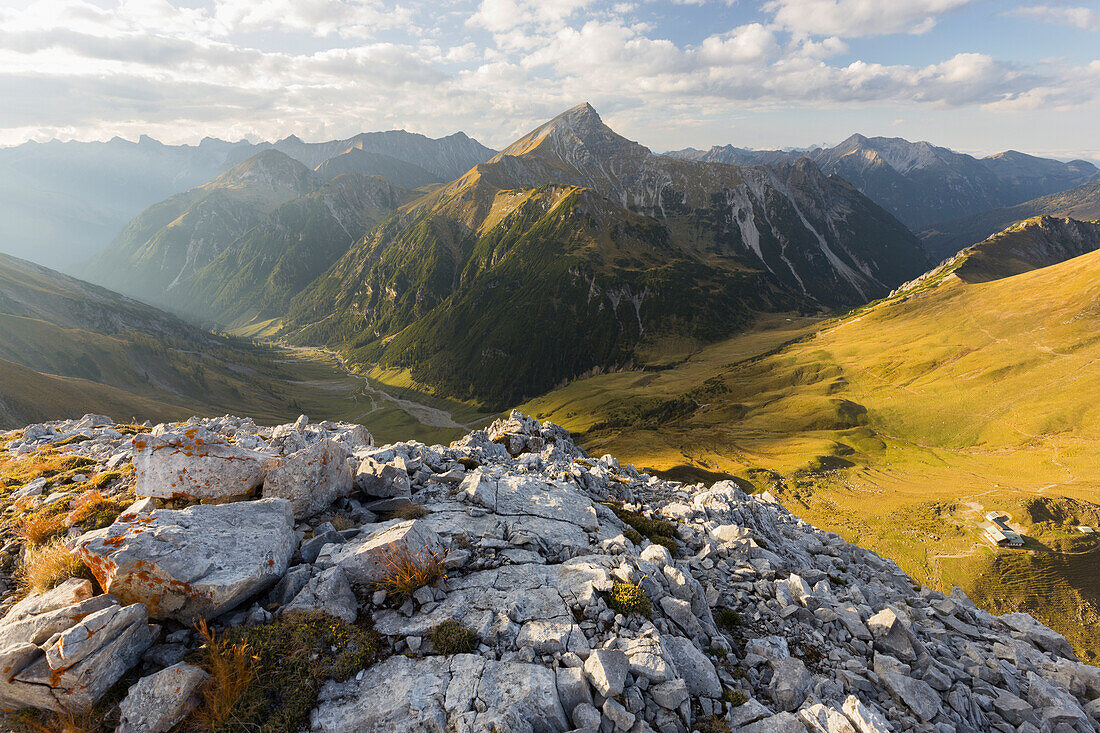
point(181, 235)
point(946, 238)
point(240, 246)
point(62, 202)
point(921, 183)
point(478, 286)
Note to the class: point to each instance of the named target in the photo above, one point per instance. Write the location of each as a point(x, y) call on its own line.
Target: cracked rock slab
point(463, 692)
point(511, 607)
point(529, 496)
point(197, 562)
point(76, 665)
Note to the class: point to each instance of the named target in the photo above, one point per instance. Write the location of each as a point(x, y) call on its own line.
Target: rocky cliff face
point(579, 594)
point(574, 224)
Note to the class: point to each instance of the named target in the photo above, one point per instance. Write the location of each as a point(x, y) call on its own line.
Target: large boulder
point(891, 636)
point(1039, 634)
point(697, 671)
point(311, 479)
point(917, 695)
point(196, 464)
point(74, 651)
point(790, 684)
point(523, 496)
point(196, 562)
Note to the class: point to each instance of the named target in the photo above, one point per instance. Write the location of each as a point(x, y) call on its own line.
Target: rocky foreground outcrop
point(590, 596)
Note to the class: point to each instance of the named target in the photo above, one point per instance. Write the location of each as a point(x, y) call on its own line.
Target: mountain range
point(477, 287)
point(920, 183)
point(62, 202)
point(240, 246)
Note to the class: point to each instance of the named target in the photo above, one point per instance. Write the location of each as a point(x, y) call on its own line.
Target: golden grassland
point(898, 426)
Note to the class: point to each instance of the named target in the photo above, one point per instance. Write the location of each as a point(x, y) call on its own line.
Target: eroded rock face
point(311, 479)
point(64, 648)
point(196, 562)
point(198, 464)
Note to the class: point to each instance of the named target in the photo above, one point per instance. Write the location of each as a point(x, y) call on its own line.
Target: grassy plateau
point(898, 426)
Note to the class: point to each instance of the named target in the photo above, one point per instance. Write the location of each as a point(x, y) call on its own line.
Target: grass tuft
point(451, 637)
point(659, 531)
point(627, 598)
point(39, 528)
point(405, 571)
point(736, 698)
point(410, 511)
point(712, 724)
point(47, 566)
point(727, 618)
point(93, 510)
point(231, 667)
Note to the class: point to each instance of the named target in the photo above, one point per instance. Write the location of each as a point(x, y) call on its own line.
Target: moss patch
point(451, 637)
point(293, 657)
point(627, 598)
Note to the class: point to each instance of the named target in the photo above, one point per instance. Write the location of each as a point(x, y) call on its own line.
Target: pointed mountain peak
point(855, 141)
point(575, 138)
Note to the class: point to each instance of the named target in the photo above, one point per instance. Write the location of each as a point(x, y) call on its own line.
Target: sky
point(978, 76)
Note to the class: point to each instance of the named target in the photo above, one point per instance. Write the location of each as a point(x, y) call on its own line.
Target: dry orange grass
point(46, 566)
point(67, 721)
point(230, 667)
point(406, 571)
point(40, 528)
point(411, 511)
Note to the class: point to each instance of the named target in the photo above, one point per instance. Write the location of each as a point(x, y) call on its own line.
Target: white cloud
point(744, 44)
point(326, 68)
point(348, 18)
point(503, 15)
point(854, 18)
point(1078, 16)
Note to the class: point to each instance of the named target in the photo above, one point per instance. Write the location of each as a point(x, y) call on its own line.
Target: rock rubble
point(599, 598)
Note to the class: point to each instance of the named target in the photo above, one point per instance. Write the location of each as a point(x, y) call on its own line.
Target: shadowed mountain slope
point(576, 250)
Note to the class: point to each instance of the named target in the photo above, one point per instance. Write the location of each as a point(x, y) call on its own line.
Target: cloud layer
point(328, 68)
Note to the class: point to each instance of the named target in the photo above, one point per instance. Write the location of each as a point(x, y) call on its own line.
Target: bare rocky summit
point(579, 594)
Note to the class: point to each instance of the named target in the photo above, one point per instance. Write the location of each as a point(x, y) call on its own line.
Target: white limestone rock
point(193, 463)
point(311, 479)
point(196, 562)
point(363, 558)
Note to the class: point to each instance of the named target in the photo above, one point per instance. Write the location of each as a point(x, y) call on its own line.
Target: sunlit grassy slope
point(898, 426)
